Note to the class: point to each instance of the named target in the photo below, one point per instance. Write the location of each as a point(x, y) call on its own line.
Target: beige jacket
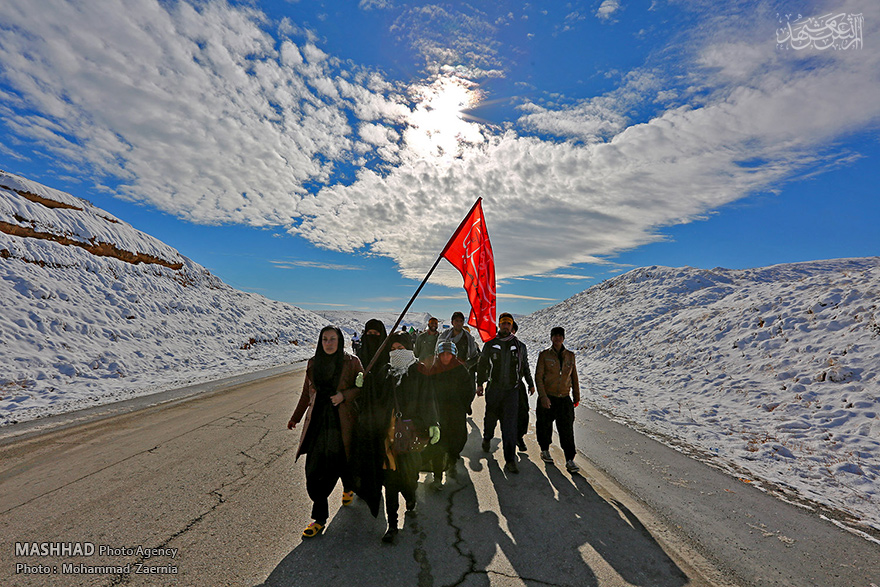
point(555, 380)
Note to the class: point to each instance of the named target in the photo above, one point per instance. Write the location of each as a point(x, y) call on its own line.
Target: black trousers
point(402, 481)
point(503, 405)
point(562, 412)
point(321, 477)
point(522, 416)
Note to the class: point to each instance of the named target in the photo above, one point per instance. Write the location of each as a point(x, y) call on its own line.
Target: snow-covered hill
point(93, 310)
point(770, 373)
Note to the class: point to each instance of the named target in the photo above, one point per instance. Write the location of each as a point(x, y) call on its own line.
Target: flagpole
point(421, 285)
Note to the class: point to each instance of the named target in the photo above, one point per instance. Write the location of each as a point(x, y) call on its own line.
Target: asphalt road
point(754, 537)
point(203, 490)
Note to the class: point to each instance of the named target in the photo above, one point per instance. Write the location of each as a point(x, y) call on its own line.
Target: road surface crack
point(219, 494)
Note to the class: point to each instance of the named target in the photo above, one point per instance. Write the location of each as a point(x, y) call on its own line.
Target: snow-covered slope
point(772, 373)
point(93, 310)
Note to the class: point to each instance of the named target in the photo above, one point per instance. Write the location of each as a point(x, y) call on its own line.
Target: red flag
point(470, 251)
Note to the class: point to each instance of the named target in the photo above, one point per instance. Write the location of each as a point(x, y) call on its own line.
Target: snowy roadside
point(769, 373)
point(766, 451)
point(94, 311)
point(28, 407)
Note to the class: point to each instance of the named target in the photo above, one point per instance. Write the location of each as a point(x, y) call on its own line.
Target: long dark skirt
point(325, 459)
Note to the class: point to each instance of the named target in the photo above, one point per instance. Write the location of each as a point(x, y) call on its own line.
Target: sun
point(438, 125)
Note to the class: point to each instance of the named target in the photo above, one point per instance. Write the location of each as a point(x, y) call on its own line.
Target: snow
point(770, 374)
point(78, 330)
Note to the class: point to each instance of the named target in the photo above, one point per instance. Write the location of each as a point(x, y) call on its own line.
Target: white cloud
point(375, 4)
point(199, 114)
point(551, 205)
point(451, 40)
point(595, 119)
point(314, 265)
point(607, 9)
point(521, 297)
point(190, 106)
point(565, 276)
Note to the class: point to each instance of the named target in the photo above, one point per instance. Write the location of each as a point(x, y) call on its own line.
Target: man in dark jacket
point(522, 416)
point(502, 365)
point(556, 376)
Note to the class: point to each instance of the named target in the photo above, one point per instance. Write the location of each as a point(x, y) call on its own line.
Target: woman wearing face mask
point(408, 396)
point(333, 380)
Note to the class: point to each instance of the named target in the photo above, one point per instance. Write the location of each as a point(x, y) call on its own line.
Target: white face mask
point(401, 359)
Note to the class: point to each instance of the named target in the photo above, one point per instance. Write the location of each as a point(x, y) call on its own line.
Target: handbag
point(407, 436)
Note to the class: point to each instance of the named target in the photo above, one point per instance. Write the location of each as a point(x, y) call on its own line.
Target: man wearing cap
point(426, 343)
point(556, 376)
point(502, 364)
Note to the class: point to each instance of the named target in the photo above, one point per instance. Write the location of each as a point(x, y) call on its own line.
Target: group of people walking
point(374, 420)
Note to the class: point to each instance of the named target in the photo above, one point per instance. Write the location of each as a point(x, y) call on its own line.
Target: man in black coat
point(502, 364)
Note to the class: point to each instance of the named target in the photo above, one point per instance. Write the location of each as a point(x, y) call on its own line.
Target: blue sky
point(322, 153)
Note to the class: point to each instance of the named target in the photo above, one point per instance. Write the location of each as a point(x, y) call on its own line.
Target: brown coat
point(351, 366)
point(555, 380)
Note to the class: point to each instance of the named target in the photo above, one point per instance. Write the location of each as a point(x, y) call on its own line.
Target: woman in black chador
point(398, 390)
point(327, 400)
point(454, 390)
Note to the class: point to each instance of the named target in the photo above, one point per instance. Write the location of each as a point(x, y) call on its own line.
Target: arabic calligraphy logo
point(832, 31)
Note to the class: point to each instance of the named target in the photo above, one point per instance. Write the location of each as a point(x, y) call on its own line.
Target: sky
point(322, 153)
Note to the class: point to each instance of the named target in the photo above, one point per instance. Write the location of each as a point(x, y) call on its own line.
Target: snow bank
point(774, 371)
point(79, 329)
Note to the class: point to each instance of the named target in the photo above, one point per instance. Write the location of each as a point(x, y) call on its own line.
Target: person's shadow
point(540, 526)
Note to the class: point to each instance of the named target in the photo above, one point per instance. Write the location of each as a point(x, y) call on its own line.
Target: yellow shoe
point(313, 529)
point(347, 497)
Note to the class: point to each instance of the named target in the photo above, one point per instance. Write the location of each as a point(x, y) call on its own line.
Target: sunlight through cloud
point(437, 125)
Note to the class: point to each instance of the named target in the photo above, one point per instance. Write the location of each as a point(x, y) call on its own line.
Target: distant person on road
point(453, 393)
point(522, 417)
point(332, 382)
point(502, 365)
point(426, 343)
point(466, 347)
point(556, 376)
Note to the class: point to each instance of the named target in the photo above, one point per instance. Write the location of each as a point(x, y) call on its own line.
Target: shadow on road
point(542, 526)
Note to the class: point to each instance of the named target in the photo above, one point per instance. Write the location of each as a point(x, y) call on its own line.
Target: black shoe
point(486, 446)
point(510, 467)
point(521, 445)
point(390, 534)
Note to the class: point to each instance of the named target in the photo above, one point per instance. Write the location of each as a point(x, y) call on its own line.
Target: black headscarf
point(327, 369)
point(370, 343)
